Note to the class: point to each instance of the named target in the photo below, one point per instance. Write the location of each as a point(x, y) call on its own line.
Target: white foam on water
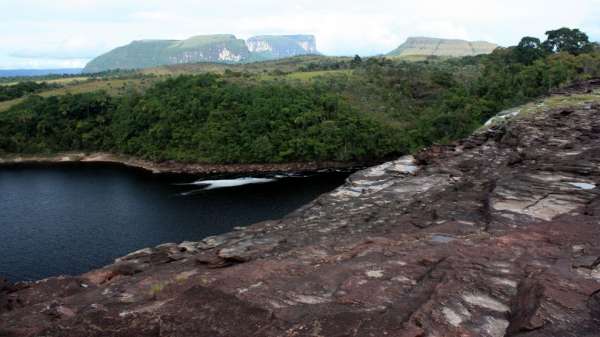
point(290, 175)
point(503, 116)
point(185, 194)
point(224, 183)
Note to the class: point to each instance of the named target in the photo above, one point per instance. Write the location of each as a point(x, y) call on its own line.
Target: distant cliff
point(281, 46)
point(427, 46)
point(204, 48)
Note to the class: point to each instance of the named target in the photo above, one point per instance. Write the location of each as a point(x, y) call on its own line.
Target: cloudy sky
point(67, 33)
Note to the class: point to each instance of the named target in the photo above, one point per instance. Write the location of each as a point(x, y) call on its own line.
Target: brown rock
point(497, 235)
point(526, 312)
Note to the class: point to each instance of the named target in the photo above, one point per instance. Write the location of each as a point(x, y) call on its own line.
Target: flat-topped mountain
point(281, 46)
point(427, 46)
point(224, 48)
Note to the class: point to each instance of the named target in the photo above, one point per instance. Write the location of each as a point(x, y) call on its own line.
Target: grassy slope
point(8, 104)
point(304, 75)
point(112, 86)
point(201, 41)
point(558, 102)
point(287, 68)
point(66, 80)
point(82, 84)
point(291, 64)
point(418, 58)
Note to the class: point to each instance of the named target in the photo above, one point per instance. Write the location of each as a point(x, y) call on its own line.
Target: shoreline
point(174, 167)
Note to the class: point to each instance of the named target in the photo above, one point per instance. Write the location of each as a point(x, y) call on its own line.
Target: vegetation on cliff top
point(223, 48)
point(426, 46)
point(338, 109)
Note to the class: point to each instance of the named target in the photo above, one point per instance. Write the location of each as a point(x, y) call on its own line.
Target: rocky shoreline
point(174, 167)
point(496, 235)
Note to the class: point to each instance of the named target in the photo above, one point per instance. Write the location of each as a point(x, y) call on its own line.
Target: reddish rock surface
point(497, 235)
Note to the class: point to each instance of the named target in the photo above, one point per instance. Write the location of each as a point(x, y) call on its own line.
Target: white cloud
point(39, 32)
point(73, 47)
point(163, 16)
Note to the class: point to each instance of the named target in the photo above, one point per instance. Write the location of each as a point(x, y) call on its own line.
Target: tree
point(567, 40)
point(357, 61)
point(529, 50)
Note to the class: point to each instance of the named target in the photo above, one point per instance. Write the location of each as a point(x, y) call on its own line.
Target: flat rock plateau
point(496, 235)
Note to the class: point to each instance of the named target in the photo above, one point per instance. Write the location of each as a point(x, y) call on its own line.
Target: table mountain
point(281, 46)
point(427, 46)
point(205, 48)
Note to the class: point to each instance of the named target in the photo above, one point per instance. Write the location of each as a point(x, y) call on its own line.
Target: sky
point(68, 33)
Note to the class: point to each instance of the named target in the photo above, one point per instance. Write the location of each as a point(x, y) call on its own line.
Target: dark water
point(70, 219)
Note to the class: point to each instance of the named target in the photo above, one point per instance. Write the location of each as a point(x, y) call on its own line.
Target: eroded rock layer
point(497, 235)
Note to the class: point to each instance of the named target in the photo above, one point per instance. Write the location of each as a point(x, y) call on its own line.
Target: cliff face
point(426, 46)
point(206, 48)
point(275, 47)
point(497, 235)
point(152, 53)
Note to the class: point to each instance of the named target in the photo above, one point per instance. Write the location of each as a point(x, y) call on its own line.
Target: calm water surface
point(70, 219)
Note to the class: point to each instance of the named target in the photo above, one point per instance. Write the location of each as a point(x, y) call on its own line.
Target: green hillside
point(203, 41)
point(284, 65)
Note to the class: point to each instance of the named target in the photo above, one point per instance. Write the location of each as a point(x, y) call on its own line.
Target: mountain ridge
point(227, 48)
point(432, 46)
point(281, 46)
point(217, 48)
